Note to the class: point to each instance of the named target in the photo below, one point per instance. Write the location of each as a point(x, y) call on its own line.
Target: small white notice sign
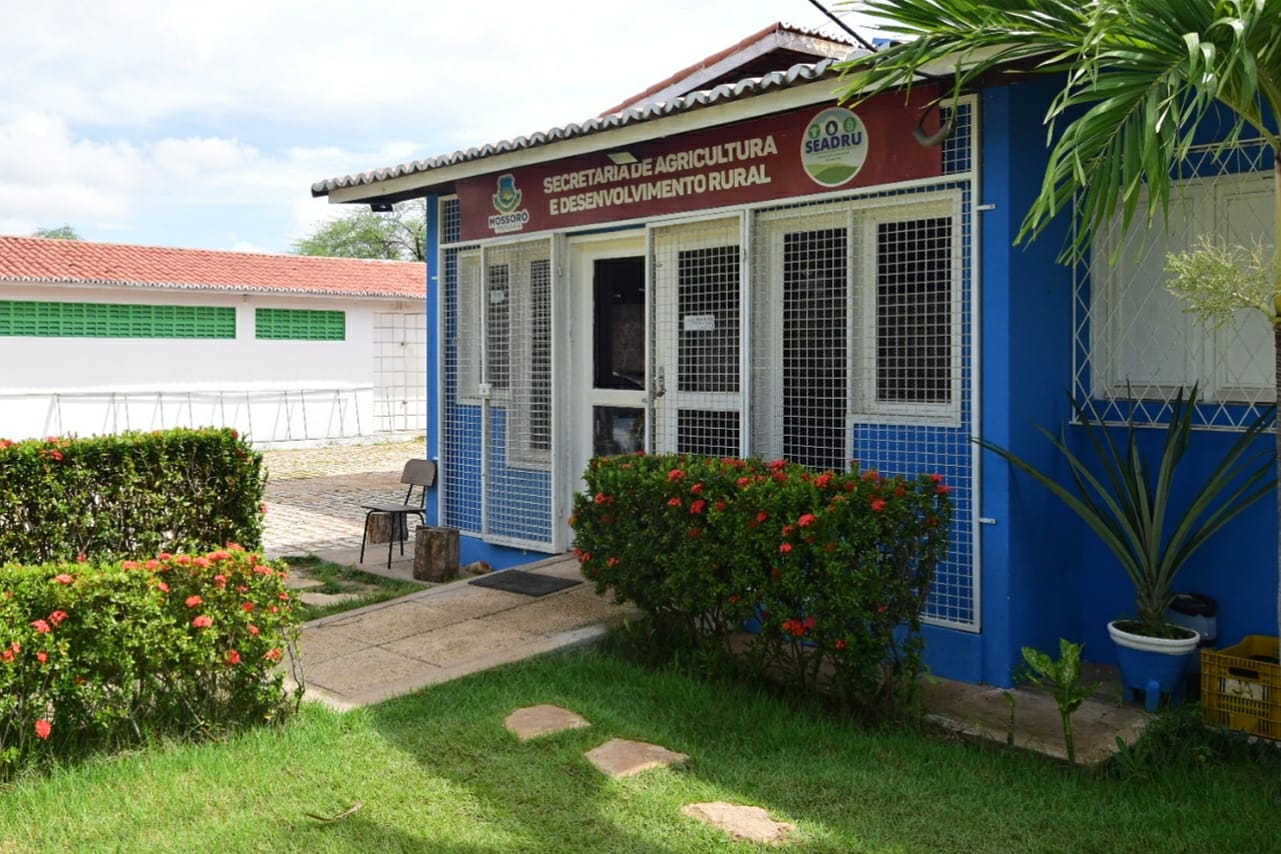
point(698, 322)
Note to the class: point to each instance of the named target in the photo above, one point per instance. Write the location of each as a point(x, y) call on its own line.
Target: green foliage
point(1061, 679)
point(1215, 280)
point(1128, 504)
point(128, 495)
point(62, 232)
point(395, 236)
point(1179, 742)
point(1142, 76)
point(102, 655)
point(835, 568)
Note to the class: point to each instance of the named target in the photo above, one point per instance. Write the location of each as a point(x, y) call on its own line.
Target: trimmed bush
point(834, 568)
point(104, 655)
point(128, 495)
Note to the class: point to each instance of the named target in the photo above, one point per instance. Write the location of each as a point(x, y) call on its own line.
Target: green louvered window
point(297, 324)
point(114, 320)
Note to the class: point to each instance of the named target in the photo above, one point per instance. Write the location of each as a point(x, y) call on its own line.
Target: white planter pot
point(1143, 643)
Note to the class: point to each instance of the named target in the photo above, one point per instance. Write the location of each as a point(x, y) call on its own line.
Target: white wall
point(273, 390)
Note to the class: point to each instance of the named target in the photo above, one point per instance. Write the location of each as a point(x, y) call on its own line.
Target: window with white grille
point(913, 305)
point(1140, 342)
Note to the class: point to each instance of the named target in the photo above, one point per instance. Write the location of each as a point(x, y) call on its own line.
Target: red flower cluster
point(797, 628)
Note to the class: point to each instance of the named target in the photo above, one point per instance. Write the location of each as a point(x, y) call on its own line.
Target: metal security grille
point(298, 324)
point(863, 337)
point(498, 426)
point(698, 333)
point(1136, 346)
point(114, 320)
point(913, 311)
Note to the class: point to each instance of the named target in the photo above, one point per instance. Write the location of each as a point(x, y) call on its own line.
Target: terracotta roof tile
point(35, 259)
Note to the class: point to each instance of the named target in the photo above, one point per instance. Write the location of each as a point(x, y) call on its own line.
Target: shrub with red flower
point(856, 543)
point(117, 659)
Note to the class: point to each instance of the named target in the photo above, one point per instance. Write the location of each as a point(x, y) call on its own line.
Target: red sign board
point(797, 153)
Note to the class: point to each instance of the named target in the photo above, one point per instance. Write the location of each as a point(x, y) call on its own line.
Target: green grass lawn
point(437, 771)
point(369, 587)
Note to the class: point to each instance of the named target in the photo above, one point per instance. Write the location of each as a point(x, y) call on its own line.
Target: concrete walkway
point(452, 630)
point(444, 632)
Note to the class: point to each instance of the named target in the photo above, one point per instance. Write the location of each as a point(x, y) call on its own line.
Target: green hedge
point(833, 568)
point(128, 495)
point(100, 656)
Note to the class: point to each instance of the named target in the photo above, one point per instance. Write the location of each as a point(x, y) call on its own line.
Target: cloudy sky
point(179, 123)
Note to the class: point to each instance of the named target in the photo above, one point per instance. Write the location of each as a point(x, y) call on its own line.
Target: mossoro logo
point(834, 147)
point(506, 200)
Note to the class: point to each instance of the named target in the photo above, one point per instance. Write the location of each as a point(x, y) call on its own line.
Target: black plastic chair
point(419, 474)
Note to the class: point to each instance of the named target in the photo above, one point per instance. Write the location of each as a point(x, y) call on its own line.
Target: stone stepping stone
point(749, 824)
point(302, 582)
point(534, 721)
point(621, 757)
point(320, 600)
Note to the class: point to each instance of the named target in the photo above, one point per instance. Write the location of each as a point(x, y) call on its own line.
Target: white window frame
point(1197, 206)
point(942, 205)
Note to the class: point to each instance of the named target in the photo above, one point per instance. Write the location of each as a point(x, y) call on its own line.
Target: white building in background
point(101, 338)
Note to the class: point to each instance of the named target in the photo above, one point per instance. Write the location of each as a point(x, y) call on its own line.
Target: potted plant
point(1126, 501)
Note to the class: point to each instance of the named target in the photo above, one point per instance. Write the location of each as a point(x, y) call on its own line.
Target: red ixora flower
point(942, 489)
point(129, 564)
point(697, 506)
point(696, 488)
point(253, 630)
point(42, 657)
point(794, 627)
point(675, 475)
point(272, 654)
point(152, 564)
point(937, 478)
point(204, 621)
point(601, 498)
point(162, 587)
point(878, 505)
point(43, 729)
point(232, 658)
point(673, 502)
point(194, 601)
point(63, 578)
point(807, 520)
point(785, 548)
point(57, 617)
point(41, 626)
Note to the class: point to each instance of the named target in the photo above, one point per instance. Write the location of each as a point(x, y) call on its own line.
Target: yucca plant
point(1127, 501)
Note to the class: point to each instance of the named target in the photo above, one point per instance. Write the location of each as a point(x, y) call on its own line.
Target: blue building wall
point(1045, 575)
point(1026, 301)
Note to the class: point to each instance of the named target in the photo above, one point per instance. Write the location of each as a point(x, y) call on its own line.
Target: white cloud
point(143, 117)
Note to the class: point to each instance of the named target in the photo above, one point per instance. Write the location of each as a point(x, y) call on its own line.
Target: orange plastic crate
point(1239, 690)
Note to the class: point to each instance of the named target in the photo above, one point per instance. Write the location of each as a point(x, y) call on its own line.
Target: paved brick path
point(314, 494)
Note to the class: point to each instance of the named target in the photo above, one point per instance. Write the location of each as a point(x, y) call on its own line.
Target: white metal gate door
point(698, 333)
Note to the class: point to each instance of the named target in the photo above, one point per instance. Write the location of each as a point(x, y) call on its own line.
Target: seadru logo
point(506, 201)
point(834, 147)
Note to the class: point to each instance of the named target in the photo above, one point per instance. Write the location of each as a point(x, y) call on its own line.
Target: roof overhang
point(798, 87)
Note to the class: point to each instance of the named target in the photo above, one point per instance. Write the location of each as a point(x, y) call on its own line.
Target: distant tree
point(62, 232)
point(395, 236)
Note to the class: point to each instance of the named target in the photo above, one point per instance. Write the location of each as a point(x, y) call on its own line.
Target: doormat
point(526, 583)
